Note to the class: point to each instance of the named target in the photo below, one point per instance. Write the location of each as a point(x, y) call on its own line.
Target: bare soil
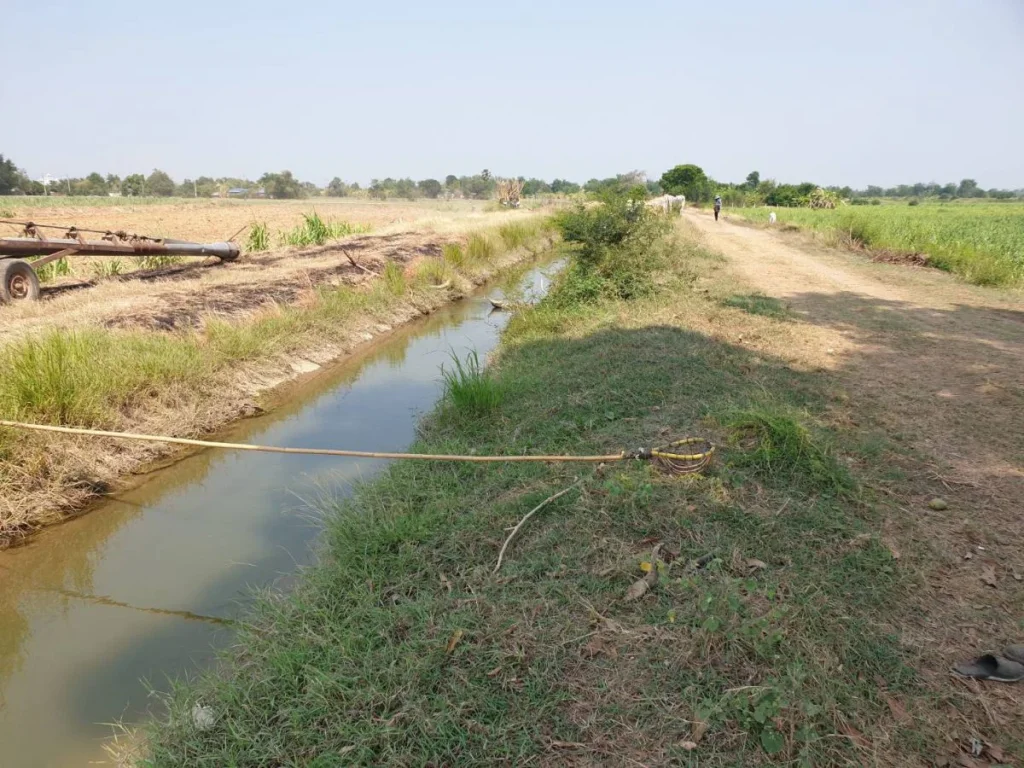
point(937, 366)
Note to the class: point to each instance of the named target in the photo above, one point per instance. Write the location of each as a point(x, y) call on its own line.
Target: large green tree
point(10, 177)
point(430, 188)
point(159, 184)
point(133, 185)
point(689, 180)
point(281, 186)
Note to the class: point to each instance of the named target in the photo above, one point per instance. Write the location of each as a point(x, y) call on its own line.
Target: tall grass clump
point(259, 238)
point(453, 255)
point(53, 270)
point(434, 272)
point(480, 247)
point(86, 377)
point(394, 279)
point(314, 230)
point(776, 445)
point(470, 388)
point(514, 235)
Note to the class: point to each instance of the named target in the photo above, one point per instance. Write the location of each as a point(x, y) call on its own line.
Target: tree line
point(690, 180)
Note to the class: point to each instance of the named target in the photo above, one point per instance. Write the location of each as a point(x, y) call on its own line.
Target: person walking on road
point(718, 206)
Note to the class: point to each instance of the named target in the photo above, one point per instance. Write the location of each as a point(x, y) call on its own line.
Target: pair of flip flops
point(1005, 668)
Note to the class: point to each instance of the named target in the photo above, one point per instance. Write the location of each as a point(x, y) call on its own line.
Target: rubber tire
point(13, 269)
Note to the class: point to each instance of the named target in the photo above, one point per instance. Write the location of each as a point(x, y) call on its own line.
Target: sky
point(843, 93)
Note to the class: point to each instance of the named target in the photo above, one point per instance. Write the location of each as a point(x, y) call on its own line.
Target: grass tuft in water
point(468, 387)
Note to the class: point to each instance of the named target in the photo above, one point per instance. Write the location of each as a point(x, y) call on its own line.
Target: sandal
point(998, 668)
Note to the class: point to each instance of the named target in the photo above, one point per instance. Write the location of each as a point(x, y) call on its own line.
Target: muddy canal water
point(95, 612)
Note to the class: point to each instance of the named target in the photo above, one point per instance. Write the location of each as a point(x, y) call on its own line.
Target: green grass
point(394, 278)
point(983, 243)
point(480, 247)
point(454, 255)
point(401, 647)
point(468, 387)
point(106, 377)
point(315, 230)
point(758, 304)
point(258, 239)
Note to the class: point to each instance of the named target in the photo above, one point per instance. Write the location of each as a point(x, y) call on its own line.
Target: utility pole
point(195, 188)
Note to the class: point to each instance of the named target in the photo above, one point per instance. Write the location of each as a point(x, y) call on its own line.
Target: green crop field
point(982, 242)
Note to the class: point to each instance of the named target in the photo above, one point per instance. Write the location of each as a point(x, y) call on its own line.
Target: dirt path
point(938, 366)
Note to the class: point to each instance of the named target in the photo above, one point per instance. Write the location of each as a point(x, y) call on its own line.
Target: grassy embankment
point(983, 243)
point(768, 636)
point(164, 382)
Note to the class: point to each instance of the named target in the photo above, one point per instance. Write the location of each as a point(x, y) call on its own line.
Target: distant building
point(238, 192)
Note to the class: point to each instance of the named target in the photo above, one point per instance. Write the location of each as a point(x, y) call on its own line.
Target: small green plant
point(259, 237)
point(53, 270)
point(480, 247)
point(394, 279)
point(469, 387)
point(454, 255)
point(107, 268)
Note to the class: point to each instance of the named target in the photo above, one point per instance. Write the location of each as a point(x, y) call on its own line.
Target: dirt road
point(937, 366)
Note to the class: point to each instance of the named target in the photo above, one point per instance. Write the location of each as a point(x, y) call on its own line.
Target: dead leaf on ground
point(494, 672)
point(445, 583)
point(988, 575)
point(689, 746)
point(648, 541)
point(754, 564)
point(455, 638)
point(855, 736)
point(346, 750)
point(641, 587)
point(893, 550)
point(699, 729)
point(898, 711)
point(393, 720)
point(597, 646)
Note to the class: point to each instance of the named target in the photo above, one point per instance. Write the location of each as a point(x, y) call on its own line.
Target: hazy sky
point(871, 91)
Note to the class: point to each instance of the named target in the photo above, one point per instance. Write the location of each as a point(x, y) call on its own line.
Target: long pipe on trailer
point(20, 247)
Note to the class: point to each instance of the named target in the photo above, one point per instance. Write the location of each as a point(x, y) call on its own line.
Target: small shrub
point(394, 279)
point(469, 387)
point(480, 247)
point(259, 238)
point(315, 231)
point(914, 201)
point(6, 213)
point(454, 255)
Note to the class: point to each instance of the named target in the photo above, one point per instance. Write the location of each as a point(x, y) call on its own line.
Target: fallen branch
point(357, 265)
point(528, 515)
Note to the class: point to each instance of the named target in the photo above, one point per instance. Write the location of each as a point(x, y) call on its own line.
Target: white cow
point(771, 217)
point(667, 202)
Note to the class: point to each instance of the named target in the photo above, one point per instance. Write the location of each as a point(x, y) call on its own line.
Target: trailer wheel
point(18, 281)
